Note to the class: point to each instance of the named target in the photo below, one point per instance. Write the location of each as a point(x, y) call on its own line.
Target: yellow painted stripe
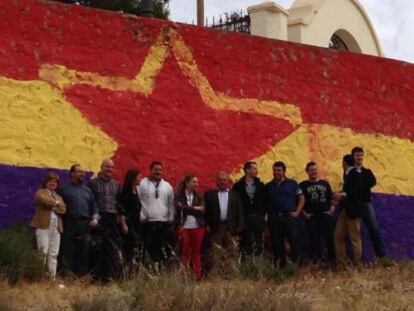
point(292, 150)
point(153, 63)
point(39, 128)
point(220, 101)
point(390, 158)
point(143, 83)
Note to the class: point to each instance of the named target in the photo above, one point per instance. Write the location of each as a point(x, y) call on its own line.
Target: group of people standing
point(107, 228)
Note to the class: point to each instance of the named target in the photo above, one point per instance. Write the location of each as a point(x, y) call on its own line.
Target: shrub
point(18, 258)
point(257, 268)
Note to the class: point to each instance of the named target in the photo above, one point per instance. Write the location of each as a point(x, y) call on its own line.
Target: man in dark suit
point(224, 220)
point(252, 195)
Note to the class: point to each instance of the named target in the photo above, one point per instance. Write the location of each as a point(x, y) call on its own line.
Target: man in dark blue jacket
point(361, 181)
point(252, 194)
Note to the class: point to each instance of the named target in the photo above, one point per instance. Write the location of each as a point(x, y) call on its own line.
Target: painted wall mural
point(80, 85)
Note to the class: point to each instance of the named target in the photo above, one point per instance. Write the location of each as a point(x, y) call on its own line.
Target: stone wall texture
point(78, 85)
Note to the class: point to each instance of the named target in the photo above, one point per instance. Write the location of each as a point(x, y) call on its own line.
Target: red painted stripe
point(33, 32)
point(367, 94)
point(364, 93)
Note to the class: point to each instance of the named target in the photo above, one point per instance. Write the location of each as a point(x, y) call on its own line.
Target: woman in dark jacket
point(190, 220)
point(132, 204)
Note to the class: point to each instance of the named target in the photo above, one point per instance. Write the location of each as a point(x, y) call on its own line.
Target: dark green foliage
point(259, 268)
point(18, 257)
point(161, 9)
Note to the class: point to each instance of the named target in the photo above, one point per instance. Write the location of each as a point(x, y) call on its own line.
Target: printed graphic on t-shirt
point(317, 196)
point(317, 193)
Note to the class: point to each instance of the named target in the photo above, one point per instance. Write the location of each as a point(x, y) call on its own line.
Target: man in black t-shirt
point(318, 213)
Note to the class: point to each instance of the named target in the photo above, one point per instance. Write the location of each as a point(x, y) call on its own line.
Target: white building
point(342, 24)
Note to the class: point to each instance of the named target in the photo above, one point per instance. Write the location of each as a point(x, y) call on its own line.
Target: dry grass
point(368, 289)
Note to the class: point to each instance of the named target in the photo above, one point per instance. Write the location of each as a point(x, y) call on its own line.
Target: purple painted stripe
point(395, 214)
point(17, 188)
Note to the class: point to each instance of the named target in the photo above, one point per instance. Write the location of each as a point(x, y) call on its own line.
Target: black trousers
point(321, 236)
point(107, 253)
point(133, 243)
point(281, 227)
point(251, 242)
point(75, 246)
point(160, 241)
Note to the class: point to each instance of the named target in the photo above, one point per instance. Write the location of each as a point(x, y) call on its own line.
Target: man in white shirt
point(157, 213)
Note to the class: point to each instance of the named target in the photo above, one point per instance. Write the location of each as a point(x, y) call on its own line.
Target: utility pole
point(147, 8)
point(200, 12)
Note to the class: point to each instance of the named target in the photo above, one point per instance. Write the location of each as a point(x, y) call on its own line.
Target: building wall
point(315, 21)
point(336, 15)
point(78, 85)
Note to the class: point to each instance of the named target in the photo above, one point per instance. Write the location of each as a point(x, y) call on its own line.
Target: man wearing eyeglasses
point(157, 213)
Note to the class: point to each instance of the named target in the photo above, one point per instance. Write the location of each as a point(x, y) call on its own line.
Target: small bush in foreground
point(257, 268)
point(18, 258)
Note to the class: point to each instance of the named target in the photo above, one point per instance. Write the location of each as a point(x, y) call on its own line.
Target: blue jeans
point(370, 222)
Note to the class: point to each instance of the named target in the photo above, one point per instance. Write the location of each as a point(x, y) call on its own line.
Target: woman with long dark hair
point(132, 204)
point(190, 220)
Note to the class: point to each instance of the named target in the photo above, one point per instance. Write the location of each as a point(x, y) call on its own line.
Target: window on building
point(337, 43)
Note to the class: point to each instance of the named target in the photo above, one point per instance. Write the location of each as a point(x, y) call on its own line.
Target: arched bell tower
point(339, 24)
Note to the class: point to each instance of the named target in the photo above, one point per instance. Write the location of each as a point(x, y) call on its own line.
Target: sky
point(392, 19)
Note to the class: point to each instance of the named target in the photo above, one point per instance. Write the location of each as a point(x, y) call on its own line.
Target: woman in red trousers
point(190, 220)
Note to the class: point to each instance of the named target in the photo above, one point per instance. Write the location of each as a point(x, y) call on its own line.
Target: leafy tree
point(161, 8)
